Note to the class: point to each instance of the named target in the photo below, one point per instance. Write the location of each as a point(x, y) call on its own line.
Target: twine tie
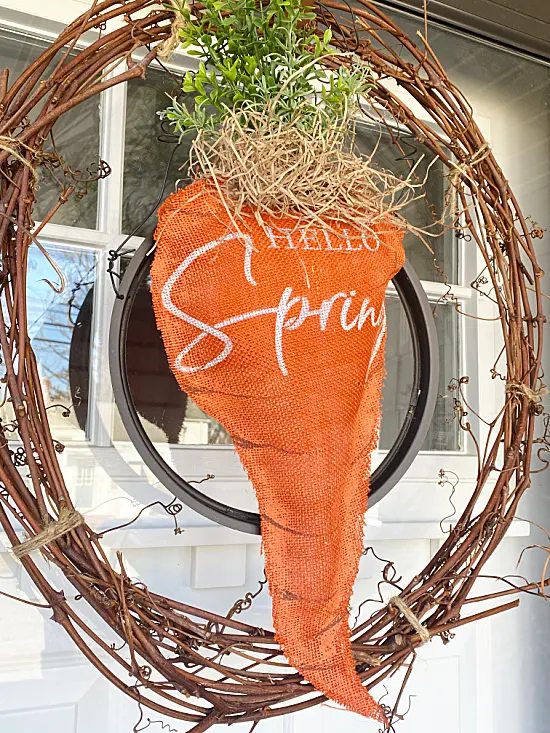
point(69, 519)
point(166, 49)
point(414, 621)
point(10, 144)
point(533, 395)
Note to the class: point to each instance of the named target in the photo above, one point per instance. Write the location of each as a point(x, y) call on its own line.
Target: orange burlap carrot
point(279, 333)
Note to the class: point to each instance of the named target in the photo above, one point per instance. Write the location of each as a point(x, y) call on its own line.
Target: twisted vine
point(186, 662)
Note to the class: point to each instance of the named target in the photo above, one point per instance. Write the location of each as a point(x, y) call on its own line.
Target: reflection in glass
point(76, 136)
point(444, 433)
point(56, 323)
point(145, 164)
point(167, 413)
point(428, 202)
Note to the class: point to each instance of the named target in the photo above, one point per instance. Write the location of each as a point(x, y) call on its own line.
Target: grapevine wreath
point(185, 662)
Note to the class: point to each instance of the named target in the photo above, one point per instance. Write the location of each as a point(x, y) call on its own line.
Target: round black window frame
point(397, 461)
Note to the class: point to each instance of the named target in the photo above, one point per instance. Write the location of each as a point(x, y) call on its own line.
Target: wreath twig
point(187, 662)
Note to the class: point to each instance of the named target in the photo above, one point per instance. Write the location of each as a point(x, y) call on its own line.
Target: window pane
point(76, 136)
point(510, 95)
point(148, 150)
point(444, 433)
point(60, 335)
point(428, 204)
point(167, 414)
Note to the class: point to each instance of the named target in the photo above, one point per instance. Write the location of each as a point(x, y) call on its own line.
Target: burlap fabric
point(278, 333)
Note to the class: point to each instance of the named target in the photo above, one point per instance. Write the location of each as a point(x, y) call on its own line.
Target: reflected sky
point(53, 318)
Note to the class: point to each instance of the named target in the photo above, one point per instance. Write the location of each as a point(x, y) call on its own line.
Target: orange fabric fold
point(279, 333)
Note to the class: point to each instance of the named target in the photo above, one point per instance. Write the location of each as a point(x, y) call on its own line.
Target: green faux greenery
point(261, 58)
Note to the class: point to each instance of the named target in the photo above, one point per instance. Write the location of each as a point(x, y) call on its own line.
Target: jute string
point(463, 169)
point(519, 388)
point(166, 49)
point(401, 606)
point(69, 519)
point(10, 145)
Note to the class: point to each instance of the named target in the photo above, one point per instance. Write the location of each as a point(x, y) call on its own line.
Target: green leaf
point(188, 83)
point(248, 52)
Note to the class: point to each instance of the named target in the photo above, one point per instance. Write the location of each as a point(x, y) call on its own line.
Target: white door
point(45, 683)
